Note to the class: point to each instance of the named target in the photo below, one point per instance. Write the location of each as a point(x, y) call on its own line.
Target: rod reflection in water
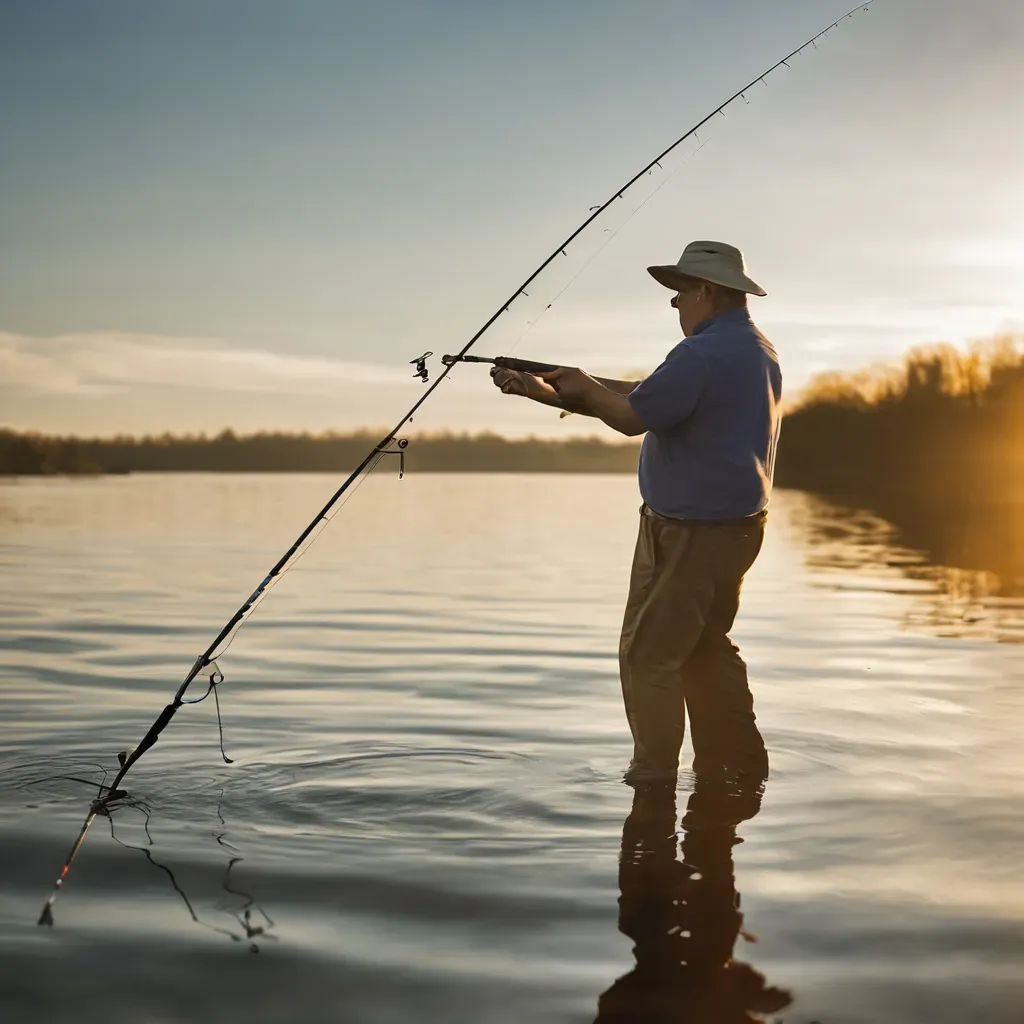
point(683, 912)
point(252, 920)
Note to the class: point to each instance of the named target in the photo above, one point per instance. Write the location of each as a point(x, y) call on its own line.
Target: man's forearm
point(613, 409)
point(620, 387)
point(602, 398)
point(546, 398)
point(616, 387)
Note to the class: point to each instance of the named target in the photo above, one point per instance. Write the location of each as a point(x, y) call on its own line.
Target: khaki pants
point(675, 655)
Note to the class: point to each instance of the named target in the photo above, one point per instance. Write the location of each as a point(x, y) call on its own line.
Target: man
point(710, 412)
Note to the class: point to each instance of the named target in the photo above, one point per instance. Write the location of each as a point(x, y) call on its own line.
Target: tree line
point(945, 427)
point(227, 452)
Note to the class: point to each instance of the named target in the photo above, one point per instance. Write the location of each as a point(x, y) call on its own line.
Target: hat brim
point(676, 278)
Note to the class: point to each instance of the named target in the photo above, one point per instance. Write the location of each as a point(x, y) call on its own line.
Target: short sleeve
point(671, 393)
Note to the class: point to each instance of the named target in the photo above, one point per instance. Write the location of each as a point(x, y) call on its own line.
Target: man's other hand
point(514, 382)
point(579, 392)
point(572, 385)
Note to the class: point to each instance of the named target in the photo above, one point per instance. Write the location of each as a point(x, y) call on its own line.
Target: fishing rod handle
point(505, 362)
point(524, 365)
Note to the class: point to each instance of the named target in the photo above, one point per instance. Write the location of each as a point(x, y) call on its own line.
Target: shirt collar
point(729, 316)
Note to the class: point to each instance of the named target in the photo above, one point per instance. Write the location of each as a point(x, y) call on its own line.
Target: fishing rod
point(390, 444)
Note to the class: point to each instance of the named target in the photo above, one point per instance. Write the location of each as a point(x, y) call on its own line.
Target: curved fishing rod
point(390, 444)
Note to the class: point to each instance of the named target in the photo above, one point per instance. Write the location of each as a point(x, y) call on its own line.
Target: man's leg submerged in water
point(661, 626)
point(715, 687)
point(675, 654)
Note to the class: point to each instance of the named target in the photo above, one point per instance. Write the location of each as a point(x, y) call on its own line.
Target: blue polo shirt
point(712, 414)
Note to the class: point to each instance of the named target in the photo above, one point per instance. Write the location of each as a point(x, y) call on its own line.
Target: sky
point(253, 214)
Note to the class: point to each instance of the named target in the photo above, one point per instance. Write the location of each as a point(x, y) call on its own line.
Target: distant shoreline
point(946, 428)
point(26, 454)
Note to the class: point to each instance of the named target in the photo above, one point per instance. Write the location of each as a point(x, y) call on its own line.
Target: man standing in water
point(710, 412)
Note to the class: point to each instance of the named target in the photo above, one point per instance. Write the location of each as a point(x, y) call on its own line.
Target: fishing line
point(611, 236)
point(217, 676)
point(390, 444)
point(91, 783)
point(291, 565)
point(230, 638)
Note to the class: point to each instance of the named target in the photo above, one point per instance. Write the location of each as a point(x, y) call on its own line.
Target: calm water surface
point(424, 819)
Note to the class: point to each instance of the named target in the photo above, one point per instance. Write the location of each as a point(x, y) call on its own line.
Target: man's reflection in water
point(683, 913)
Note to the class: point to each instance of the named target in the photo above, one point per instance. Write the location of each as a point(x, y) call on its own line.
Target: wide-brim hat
point(716, 262)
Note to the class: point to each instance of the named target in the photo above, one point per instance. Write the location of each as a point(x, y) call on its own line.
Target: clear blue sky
point(253, 214)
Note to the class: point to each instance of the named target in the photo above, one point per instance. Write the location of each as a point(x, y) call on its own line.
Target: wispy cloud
point(104, 363)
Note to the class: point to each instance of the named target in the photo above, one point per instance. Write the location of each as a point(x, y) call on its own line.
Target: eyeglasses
point(674, 301)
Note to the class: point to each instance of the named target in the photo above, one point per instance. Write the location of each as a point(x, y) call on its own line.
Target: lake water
point(425, 815)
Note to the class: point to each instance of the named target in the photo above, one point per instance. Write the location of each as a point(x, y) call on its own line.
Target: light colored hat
point(708, 261)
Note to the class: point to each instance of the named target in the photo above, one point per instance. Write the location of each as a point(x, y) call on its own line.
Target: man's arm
point(620, 387)
point(579, 392)
point(515, 382)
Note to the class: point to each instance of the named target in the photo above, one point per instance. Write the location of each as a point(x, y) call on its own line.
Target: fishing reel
point(421, 367)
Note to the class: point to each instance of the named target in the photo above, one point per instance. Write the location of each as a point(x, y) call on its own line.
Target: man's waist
point(749, 520)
